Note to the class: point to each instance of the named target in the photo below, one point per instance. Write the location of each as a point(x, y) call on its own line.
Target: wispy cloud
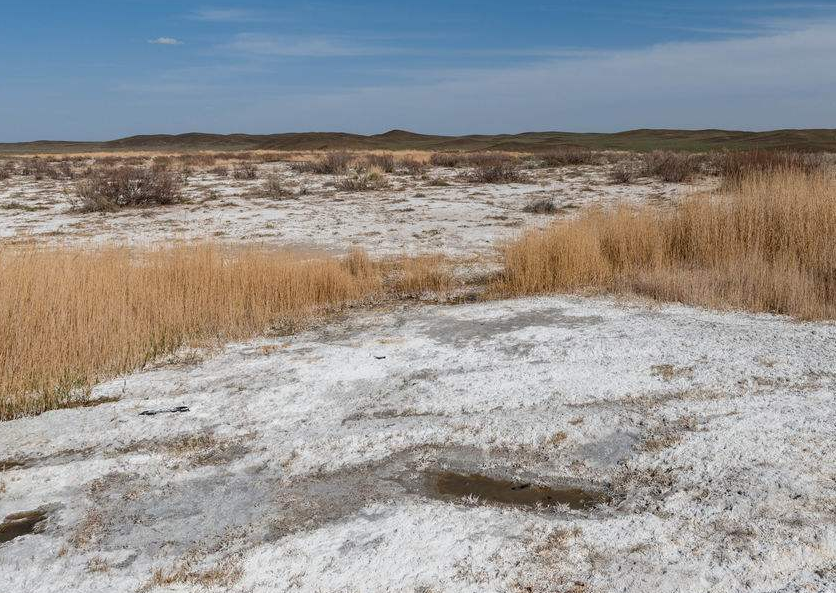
point(256, 44)
point(165, 41)
point(225, 15)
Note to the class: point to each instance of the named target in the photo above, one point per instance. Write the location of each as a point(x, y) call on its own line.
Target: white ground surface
point(412, 216)
point(301, 463)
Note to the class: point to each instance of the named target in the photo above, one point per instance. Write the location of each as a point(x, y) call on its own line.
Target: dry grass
point(416, 276)
point(672, 167)
point(370, 179)
point(735, 167)
point(768, 246)
point(69, 317)
point(569, 156)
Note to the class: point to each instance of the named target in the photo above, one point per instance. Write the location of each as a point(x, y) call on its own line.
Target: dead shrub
point(332, 163)
point(448, 159)
point(541, 206)
point(370, 179)
point(494, 168)
point(108, 189)
point(220, 171)
point(623, 173)
point(671, 167)
point(566, 157)
point(39, 169)
point(384, 162)
point(244, 170)
point(274, 188)
point(412, 166)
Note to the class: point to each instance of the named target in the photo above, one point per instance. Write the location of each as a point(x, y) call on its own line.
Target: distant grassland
point(634, 140)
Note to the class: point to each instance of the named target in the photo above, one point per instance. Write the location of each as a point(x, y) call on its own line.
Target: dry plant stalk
point(769, 245)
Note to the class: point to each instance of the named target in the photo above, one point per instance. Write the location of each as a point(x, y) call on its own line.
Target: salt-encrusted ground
point(302, 464)
point(414, 215)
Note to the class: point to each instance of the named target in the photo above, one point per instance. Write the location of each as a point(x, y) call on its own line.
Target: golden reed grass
point(769, 246)
point(71, 317)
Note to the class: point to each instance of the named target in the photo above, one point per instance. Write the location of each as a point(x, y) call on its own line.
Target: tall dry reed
point(71, 317)
point(769, 245)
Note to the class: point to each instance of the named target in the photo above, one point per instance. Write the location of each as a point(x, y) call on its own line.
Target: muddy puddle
point(8, 464)
point(488, 490)
point(18, 524)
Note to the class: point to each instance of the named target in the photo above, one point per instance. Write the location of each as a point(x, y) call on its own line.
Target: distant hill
point(638, 140)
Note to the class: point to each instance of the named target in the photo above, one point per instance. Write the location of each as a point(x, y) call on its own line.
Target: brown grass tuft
point(423, 274)
point(768, 246)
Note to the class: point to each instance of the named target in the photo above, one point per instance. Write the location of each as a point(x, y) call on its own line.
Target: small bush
point(220, 171)
point(569, 156)
point(39, 169)
point(494, 169)
point(274, 188)
point(541, 206)
point(245, 170)
point(384, 162)
point(447, 159)
point(333, 163)
point(622, 174)
point(734, 167)
point(108, 189)
point(370, 179)
point(412, 166)
point(671, 167)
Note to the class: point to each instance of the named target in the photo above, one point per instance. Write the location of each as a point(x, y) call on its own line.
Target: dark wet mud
point(486, 490)
point(18, 524)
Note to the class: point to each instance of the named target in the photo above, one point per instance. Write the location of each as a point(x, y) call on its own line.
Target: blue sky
point(86, 70)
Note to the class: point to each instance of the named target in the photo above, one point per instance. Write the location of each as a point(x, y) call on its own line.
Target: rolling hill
point(819, 140)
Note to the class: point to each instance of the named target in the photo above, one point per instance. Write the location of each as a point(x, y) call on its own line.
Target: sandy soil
point(305, 463)
point(413, 216)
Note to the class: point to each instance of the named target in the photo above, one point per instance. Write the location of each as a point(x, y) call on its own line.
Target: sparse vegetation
point(447, 159)
point(569, 156)
point(412, 166)
point(671, 167)
point(490, 168)
point(385, 162)
point(245, 170)
point(541, 206)
point(108, 189)
point(735, 167)
point(274, 188)
point(768, 246)
point(367, 180)
point(333, 163)
point(623, 173)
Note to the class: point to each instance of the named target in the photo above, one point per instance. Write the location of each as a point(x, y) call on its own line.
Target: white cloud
point(777, 80)
point(224, 15)
point(256, 44)
point(165, 41)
